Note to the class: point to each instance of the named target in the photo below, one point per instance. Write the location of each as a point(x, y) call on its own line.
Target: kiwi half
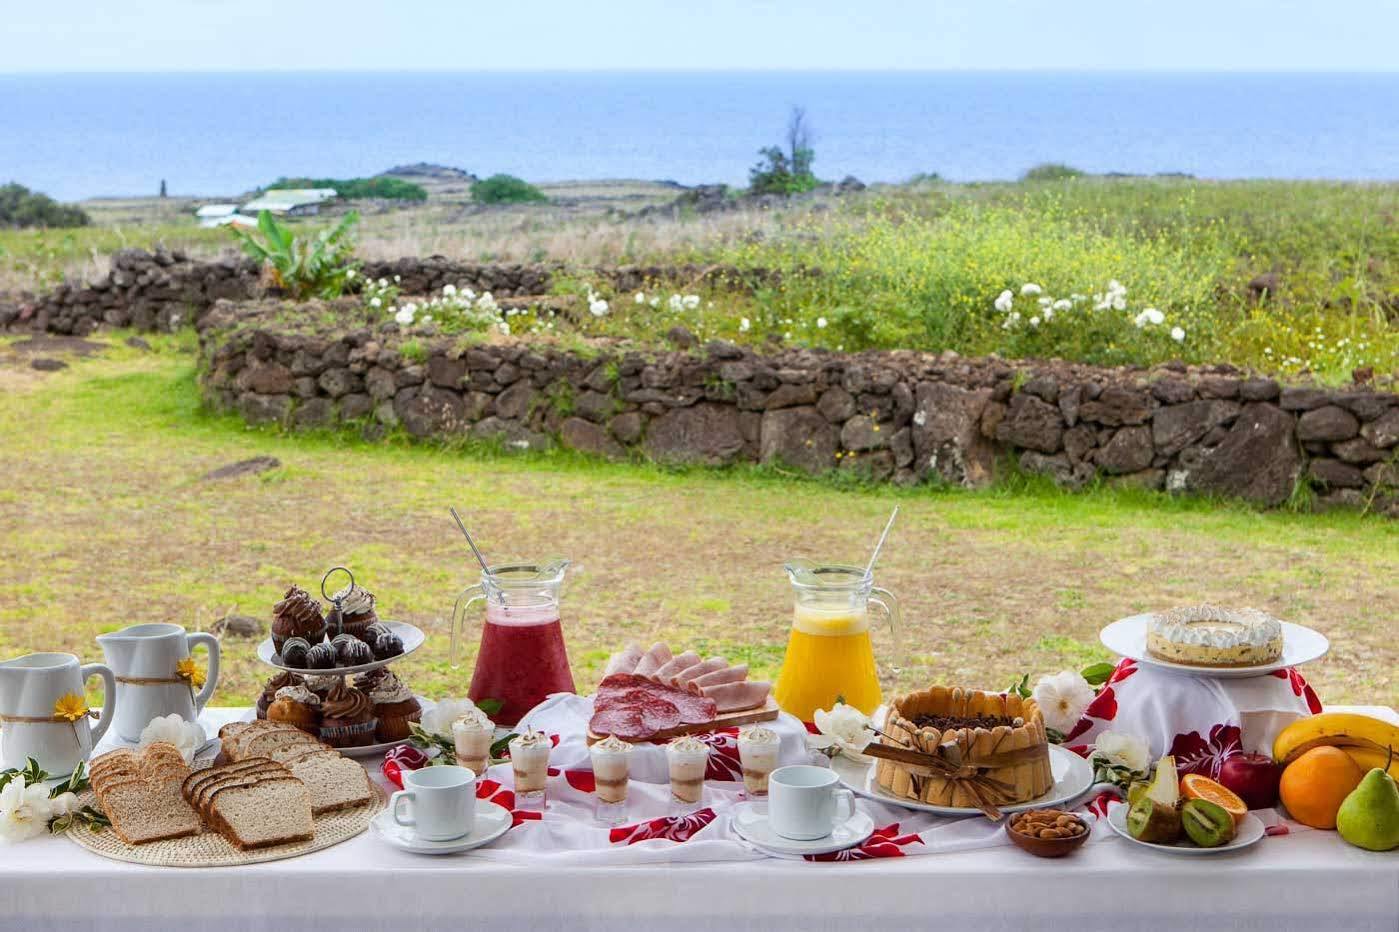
point(1154, 822)
point(1208, 824)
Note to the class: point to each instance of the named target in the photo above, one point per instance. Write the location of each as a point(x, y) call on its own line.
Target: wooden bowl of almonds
point(1047, 833)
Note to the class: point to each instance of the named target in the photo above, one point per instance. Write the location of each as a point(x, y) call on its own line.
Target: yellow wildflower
point(191, 671)
point(70, 707)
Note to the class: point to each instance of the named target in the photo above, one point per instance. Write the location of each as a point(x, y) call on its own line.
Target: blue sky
point(183, 35)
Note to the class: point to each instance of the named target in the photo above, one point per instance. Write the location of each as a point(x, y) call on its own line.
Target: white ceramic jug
point(30, 687)
point(145, 660)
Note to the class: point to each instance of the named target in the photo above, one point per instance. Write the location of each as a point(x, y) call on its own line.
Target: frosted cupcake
point(354, 614)
point(394, 707)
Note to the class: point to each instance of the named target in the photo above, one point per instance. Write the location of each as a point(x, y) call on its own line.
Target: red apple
point(1254, 777)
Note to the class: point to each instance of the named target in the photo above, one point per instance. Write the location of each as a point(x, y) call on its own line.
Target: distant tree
point(1051, 171)
point(789, 171)
point(21, 207)
point(162, 188)
point(505, 189)
point(351, 189)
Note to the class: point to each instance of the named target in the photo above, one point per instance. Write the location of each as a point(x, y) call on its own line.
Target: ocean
point(85, 135)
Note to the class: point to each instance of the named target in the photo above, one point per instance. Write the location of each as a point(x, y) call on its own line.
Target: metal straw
point(474, 549)
point(874, 556)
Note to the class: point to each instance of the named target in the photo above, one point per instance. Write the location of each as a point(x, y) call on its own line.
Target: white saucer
point(1251, 831)
point(753, 826)
point(1126, 637)
point(492, 820)
point(1072, 776)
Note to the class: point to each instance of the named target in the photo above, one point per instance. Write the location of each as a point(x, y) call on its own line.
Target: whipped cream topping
point(758, 734)
point(322, 684)
point(389, 688)
point(354, 601)
point(473, 719)
point(299, 694)
point(532, 740)
point(611, 745)
point(687, 744)
point(1213, 626)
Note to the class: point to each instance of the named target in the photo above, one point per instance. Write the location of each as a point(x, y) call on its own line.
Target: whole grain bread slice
point(264, 814)
point(332, 781)
point(142, 812)
point(191, 783)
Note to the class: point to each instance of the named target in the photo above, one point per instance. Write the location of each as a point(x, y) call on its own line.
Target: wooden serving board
point(763, 713)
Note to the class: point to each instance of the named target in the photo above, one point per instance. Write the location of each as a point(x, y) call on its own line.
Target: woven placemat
point(211, 849)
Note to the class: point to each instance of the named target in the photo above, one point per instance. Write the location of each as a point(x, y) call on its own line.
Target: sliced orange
point(1199, 786)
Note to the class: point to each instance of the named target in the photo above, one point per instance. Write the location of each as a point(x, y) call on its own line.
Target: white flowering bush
point(1105, 326)
point(452, 310)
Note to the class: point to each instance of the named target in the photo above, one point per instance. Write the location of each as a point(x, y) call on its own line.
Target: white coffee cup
point(802, 802)
point(443, 802)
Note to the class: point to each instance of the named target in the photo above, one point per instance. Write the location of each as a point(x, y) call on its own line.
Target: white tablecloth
point(1307, 881)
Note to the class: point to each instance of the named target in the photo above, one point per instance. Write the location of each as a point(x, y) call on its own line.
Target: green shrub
point(1052, 171)
point(303, 266)
point(21, 207)
point(353, 188)
point(506, 189)
point(786, 171)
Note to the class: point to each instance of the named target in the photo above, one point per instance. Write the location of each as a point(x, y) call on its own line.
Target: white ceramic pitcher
point(144, 659)
point(30, 687)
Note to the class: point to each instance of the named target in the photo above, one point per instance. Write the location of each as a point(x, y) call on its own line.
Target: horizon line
point(1050, 69)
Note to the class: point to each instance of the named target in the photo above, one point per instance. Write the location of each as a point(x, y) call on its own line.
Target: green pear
point(1369, 816)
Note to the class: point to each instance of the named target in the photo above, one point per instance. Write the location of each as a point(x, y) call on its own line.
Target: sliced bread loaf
point(333, 782)
point(271, 812)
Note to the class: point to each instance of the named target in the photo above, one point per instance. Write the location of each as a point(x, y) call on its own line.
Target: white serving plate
point(411, 635)
point(1250, 832)
point(752, 825)
point(1126, 637)
point(492, 821)
point(1073, 776)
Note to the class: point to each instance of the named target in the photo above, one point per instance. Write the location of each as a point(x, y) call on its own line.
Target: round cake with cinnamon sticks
point(983, 749)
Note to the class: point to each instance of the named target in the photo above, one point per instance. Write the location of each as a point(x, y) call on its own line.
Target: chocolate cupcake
point(294, 651)
point(366, 681)
point(322, 684)
point(347, 718)
point(296, 705)
point(355, 612)
point(297, 616)
point(269, 690)
point(321, 656)
point(394, 707)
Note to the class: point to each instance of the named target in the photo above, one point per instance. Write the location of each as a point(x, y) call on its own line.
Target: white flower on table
point(847, 728)
point(187, 737)
point(1120, 750)
point(1062, 699)
point(25, 810)
point(438, 719)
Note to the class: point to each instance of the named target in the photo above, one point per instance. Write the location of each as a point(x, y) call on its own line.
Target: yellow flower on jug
point(70, 707)
point(191, 672)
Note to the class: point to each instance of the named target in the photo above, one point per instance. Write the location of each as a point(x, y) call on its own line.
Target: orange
point(1315, 784)
point(1199, 786)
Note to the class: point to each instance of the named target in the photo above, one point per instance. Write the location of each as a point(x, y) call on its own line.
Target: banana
point(1346, 730)
point(1368, 759)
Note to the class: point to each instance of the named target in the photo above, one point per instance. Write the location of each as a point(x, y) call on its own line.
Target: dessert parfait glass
point(529, 759)
point(688, 758)
point(611, 775)
point(758, 748)
point(473, 736)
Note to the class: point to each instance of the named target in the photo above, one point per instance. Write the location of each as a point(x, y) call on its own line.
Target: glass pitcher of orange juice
point(829, 652)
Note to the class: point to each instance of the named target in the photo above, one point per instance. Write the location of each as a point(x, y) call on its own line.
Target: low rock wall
point(162, 290)
point(896, 416)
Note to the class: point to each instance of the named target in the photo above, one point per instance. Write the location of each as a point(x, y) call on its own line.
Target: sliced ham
point(738, 697)
point(735, 674)
point(684, 679)
point(677, 664)
point(624, 661)
point(655, 658)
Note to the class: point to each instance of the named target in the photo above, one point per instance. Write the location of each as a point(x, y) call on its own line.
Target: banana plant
point(304, 267)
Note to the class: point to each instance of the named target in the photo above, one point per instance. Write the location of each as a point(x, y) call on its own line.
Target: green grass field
point(107, 523)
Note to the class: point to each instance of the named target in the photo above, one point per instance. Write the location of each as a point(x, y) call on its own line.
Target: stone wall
point(896, 416)
point(161, 290)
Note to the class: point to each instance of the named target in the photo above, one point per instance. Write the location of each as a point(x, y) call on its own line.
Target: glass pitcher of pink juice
point(522, 658)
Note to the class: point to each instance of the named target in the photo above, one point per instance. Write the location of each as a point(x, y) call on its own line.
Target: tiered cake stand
point(411, 635)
